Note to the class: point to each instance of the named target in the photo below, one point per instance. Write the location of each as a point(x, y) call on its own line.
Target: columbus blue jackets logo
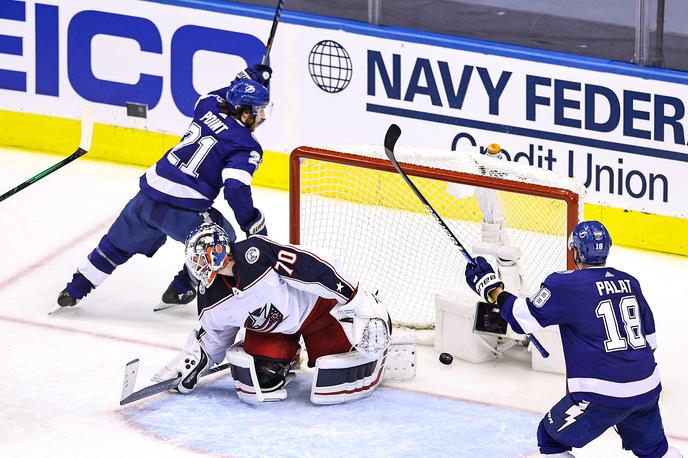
point(264, 319)
point(252, 255)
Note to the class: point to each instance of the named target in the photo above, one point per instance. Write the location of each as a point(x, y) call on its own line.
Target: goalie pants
point(321, 333)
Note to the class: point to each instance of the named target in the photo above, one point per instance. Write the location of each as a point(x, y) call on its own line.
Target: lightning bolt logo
point(572, 413)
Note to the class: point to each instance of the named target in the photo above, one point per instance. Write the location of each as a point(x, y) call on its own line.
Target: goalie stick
point(391, 137)
point(84, 145)
point(273, 29)
point(131, 371)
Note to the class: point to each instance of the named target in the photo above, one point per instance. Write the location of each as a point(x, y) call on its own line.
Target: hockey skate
point(172, 298)
point(64, 300)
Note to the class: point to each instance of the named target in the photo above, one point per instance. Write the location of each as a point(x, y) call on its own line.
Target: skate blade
point(165, 306)
point(59, 308)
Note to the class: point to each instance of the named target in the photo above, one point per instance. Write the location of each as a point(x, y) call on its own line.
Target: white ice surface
point(61, 375)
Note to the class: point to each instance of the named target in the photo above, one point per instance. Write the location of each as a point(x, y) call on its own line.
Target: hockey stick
point(391, 137)
point(131, 371)
point(84, 145)
point(273, 29)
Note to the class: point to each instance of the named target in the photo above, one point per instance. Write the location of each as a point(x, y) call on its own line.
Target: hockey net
point(352, 203)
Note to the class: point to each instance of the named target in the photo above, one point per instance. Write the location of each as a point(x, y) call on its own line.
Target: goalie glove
point(189, 364)
point(366, 323)
point(482, 279)
point(259, 73)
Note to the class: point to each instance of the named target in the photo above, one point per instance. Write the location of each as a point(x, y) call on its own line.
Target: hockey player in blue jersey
point(608, 336)
point(176, 193)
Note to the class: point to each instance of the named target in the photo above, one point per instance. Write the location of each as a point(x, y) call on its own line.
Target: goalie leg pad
point(346, 377)
point(246, 380)
point(401, 356)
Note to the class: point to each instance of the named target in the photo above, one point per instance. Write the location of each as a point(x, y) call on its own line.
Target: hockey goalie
point(280, 293)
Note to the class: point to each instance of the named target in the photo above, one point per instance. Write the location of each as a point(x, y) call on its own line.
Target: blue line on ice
point(390, 423)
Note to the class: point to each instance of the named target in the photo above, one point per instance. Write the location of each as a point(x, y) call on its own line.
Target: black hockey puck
point(446, 358)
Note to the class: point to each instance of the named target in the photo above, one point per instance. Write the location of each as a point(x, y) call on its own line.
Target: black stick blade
point(391, 137)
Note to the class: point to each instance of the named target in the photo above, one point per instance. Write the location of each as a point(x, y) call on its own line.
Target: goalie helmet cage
point(357, 208)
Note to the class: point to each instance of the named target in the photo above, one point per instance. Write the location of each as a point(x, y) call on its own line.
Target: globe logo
point(330, 66)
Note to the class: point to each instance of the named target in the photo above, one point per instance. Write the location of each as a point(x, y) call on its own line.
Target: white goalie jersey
point(273, 290)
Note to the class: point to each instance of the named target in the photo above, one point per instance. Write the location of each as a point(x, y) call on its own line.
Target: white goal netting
point(359, 209)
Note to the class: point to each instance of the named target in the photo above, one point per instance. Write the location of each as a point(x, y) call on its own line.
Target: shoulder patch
point(541, 297)
point(252, 255)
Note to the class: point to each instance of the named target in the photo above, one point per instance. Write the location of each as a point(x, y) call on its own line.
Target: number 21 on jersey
point(630, 316)
point(205, 144)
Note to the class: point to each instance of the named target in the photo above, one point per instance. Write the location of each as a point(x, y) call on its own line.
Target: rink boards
point(599, 122)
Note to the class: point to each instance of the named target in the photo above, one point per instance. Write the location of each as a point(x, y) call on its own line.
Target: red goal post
point(358, 208)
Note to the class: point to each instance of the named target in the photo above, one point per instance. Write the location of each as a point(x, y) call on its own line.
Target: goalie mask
point(207, 250)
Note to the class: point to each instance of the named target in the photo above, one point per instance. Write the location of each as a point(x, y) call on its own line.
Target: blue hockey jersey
point(607, 332)
point(216, 151)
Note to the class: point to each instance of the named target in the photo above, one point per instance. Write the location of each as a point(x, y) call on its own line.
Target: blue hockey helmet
point(244, 92)
point(592, 240)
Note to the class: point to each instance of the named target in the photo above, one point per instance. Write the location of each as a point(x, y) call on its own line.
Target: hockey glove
point(189, 364)
point(259, 73)
point(257, 226)
point(482, 279)
point(366, 323)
